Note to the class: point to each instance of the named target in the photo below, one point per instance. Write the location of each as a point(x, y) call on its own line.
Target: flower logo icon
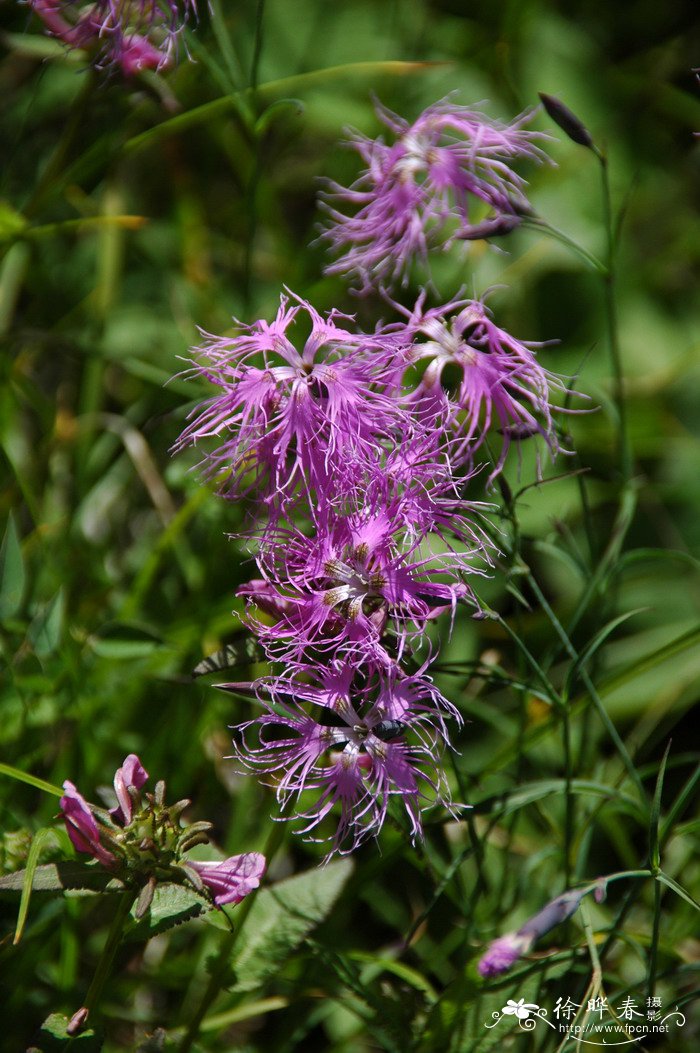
point(521, 1008)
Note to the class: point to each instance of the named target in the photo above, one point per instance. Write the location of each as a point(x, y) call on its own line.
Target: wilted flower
point(131, 34)
point(232, 879)
point(427, 188)
point(144, 841)
point(289, 418)
point(358, 737)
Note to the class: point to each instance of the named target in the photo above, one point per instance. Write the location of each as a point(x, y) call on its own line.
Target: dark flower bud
point(497, 227)
point(567, 121)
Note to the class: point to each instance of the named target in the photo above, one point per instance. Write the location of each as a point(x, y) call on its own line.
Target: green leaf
point(12, 222)
point(678, 889)
point(31, 780)
point(656, 811)
point(284, 88)
point(171, 905)
point(281, 917)
point(120, 640)
point(12, 574)
point(54, 1036)
point(506, 803)
point(32, 861)
point(679, 804)
point(593, 645)
point(47, 627)
point(60, 877)
point(241, 652)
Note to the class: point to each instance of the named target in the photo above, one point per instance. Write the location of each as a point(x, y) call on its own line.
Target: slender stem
point(220, 966)
point(609, 285)
point(104, 965)
point(569, 802)
point(654, 948)
point(589, 685)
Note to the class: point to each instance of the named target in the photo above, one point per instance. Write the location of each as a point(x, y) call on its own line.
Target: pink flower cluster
point(131, 35)
point(140, 839)
point(353, 451)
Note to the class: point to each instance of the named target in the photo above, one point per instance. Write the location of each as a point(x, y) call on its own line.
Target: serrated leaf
point(12, 573)
point(54, 1036)
point(243, 651)
point(60, 877)
point(47, 627)
point(281, 917)
point(171, 905)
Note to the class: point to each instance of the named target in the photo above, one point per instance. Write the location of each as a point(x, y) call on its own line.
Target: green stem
point(104, 965)
point(654, 948)
point(220, 967)
point(609, 286)
point(589, 685)
point(569, 802)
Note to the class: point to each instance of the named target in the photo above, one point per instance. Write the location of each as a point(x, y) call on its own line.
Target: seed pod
point(567, 121)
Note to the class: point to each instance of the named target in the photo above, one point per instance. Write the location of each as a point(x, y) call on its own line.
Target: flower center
point(354, 582)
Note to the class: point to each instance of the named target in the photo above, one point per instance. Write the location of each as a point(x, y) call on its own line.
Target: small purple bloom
point(423, 189)
point(128, 780)
point(289, 418)
point(81, 826)
point(503, 953)
point(231, 880)
point(357, 737)
point(133, 35)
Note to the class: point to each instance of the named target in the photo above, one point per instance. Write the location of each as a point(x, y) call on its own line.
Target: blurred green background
point(127, 576)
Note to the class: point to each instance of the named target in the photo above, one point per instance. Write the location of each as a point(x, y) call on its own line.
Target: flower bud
point(567, 121)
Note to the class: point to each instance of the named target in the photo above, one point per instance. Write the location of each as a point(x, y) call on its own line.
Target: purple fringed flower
point(421, 190)
point(128, 780)
point(357, 737)
point(82, 827)
point(356, 576)
point(131, 34)
point(290, 418)
point(233, 879)
point(499, 380)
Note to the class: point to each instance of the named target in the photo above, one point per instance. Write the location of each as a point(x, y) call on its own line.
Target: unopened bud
point(145, 899)
point(78, 1021)
point(497, 227)
point(567, 121)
